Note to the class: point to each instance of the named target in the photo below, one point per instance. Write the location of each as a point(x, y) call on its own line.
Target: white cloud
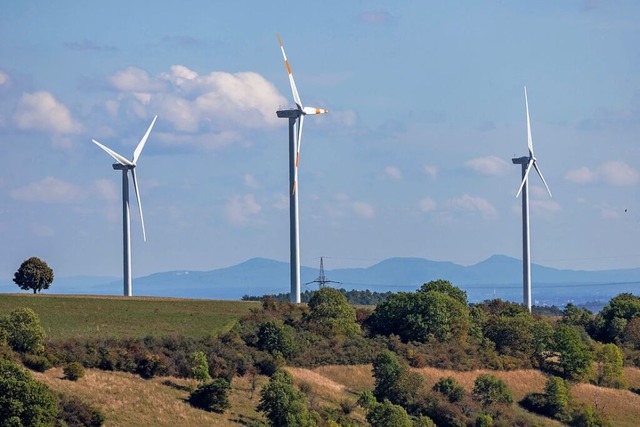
point(473, 204)
point(545, 207)
point(4, 78)
point(41, 111)
point(489, 165)
point(427, 205)
point(618, 173)
point(281, 203)
point(581, 175)
point(106, 189)
point(240, 209)
point(393, 173)
point(218, 102)
point(48, 190)
point(134, 79)
point(363, 210)
point(430, 170)
point(614, 172)
point(250, 181)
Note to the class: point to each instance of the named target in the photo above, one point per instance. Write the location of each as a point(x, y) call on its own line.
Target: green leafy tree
point(450, 388)
point(387, 414)
point(609, 366)
point(331, 314)
point(614, 317)
point(33, 274)
point(23, 331)
point(576, 316)
point(557, 398)
point(212, 396)
point(421, 316)
point(447, 288)
point(23, 401)
point(200, 367)
point(394, 381)
point(575, 358)
point(282, 404)
point(275, 336)
point(491, 390)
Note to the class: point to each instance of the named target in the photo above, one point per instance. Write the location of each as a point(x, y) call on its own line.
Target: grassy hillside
point(109, 316)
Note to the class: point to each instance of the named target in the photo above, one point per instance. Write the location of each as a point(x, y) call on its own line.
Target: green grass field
point(65, 316)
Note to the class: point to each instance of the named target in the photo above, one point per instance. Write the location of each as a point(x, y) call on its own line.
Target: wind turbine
point(296, 120)
point(527, 162)
point(125, 165)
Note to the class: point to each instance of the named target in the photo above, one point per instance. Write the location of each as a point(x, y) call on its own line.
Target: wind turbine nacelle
point(119, 167)
point(291, 113)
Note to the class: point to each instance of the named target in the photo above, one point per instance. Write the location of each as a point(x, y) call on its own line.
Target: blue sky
point(414, 159)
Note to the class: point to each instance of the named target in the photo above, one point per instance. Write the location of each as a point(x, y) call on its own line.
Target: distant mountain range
point(496, 277)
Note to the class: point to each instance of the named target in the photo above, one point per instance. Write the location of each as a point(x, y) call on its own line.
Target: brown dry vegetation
point(128, 400)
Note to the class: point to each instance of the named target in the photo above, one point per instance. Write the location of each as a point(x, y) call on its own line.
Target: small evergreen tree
point(213, 396)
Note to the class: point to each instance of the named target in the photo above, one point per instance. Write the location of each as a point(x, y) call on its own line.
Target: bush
point(23, 330)
point(490, 390)
point(149, 366)
point(213, 396)
point(23, 401)
point(36, 363)
point(200, 368)
point(450, 388)
point(73, 412)
point(73, 371)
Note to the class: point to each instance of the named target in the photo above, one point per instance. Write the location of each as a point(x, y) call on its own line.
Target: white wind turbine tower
point(527, 162)
point(126, 165)
point(296, 119)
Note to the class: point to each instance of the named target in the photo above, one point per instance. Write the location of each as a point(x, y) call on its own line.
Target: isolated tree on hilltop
point(33, 274)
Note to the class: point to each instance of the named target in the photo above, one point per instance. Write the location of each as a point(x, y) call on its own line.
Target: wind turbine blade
point(138, 150)
point(314, 110)
point(529, 139)
point(292, 82)
point(535, 165)
point(524, 179)
point(135, 187)
point(118, 158)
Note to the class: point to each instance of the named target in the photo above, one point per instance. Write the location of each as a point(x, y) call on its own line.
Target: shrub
point(36, 363)
point(213, 396)
point(282, 404)
point(24, 332)
point(490, 390)
point(484, 420)
point(73, 371)
point(23, 401)
point(73, 412)
point(149, 366)
point(387, 414)
point(450, 388)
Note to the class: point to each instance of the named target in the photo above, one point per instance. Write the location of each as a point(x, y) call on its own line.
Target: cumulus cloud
point(427, 205)
point(473, 204)
point(48, 190)
point(581, 175)
point(615, 172)
point(618, 173)
point(430, 170)
point(489, 166)
point(218, 101)
point(393, 173)
point(42, 112)
point(363, 210)
point(241, 209)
